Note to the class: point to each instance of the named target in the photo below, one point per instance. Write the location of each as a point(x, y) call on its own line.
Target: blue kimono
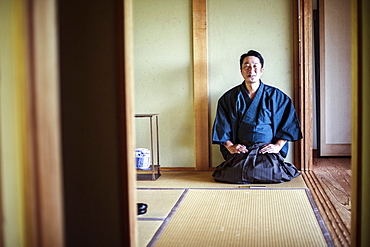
point(265, 119)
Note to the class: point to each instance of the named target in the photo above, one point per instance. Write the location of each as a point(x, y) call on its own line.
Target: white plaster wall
point(338, 71)
point(163, 77)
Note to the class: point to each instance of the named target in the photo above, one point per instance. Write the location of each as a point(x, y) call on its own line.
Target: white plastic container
point(142, 158)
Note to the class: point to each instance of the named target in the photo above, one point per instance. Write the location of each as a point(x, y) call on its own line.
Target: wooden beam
point(200, 70)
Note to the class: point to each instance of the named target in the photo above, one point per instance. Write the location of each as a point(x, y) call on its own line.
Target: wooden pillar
point(200, 70)
point(303, 81)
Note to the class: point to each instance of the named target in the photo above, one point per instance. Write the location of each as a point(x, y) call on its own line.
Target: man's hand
point(235, 149)
point(273, 148)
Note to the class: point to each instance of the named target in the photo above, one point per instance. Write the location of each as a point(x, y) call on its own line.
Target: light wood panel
point(44, 94)
point(200, 70)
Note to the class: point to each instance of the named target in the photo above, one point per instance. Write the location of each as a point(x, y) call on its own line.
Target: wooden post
point(303, 86)
point(200, 69)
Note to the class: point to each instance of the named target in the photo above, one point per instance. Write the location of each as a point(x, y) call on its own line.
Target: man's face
point(251, 69)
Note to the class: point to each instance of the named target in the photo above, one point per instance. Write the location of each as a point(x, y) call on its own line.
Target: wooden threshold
point(337, 228)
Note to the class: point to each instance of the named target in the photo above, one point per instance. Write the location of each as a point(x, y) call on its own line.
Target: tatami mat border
point(167, 219)
point(151, 219)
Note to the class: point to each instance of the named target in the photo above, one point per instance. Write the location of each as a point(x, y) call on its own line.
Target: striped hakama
point(253, 167)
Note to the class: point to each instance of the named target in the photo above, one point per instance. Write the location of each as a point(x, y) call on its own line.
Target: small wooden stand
point(154, 171)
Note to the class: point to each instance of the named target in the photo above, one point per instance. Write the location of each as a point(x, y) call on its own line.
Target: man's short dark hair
point(251, 53)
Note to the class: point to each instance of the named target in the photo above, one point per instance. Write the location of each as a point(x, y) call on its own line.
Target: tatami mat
point(147, 229)
point(204, 179)
point(160, 202)
point(242, 217)
point(188, 208)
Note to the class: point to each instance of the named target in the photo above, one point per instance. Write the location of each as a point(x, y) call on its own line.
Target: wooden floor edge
point(338, 230)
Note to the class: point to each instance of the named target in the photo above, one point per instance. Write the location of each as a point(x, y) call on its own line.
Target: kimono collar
point(252, 109)
point(258, 93)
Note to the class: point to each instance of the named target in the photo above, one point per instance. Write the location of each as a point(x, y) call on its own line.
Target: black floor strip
point(167, 220)
point(320, 220)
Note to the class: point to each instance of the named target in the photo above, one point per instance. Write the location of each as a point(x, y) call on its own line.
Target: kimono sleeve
point(285, 120)
point(222, 126)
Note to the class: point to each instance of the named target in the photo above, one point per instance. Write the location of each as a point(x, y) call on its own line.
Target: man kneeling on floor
point(253, 125)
